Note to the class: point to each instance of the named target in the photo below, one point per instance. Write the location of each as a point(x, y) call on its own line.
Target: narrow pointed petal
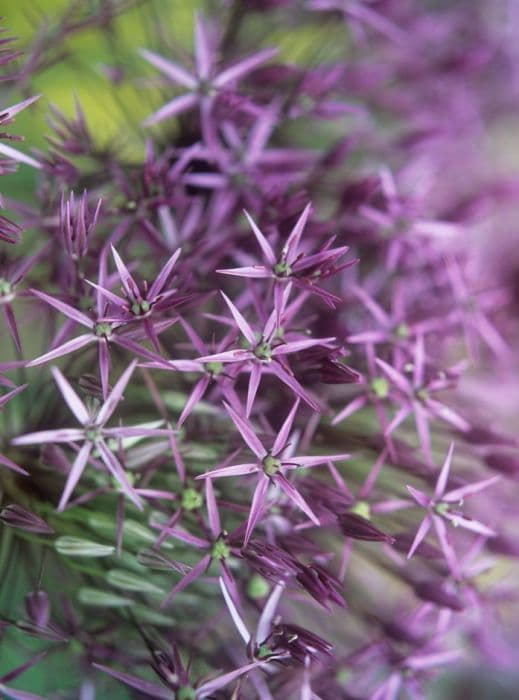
point(294, 495)
point(107, 294)
point(126, 278)
point(240, 69)
point(11, 394)
point(236, 617)
point(254, 381)
point(284, 432)
point(228, 356)
point(247, 432)
point(291, 247)
point(12, 466)
point(118, 473)
point(70, 346)
point(264, 627)
point(434, 660)
point(8, 113)
point(422, 428)
point(368, 337)
point(389, 689)
point(265, 246)
point(195, 573)
point(469, 524)
point(350, 409)
point(419, 361)
point(171, 109)
point(15, 694)
point(447, 548)
point(15, 672)
point(469, 490)
point(212, 509)
point(240, 321)
point(313, 461)
point(109, 406)
point(44, 436)
point(18, 156)
point(398, 418)
point(202, 49)
point(419, 496)
point(75, 474)
point(163, 276)
point(444, 473)
point(208, 689)
point(173, 71)
point(372, 306)
point(65, 309)
point(104, 366)
point(252, 271)
point(424, 528)
point(396, 377)
point(235, 470)
point(448, 415)
point(13, 328)
point(152, 689)
point(292, 383)
point(198, 391)
point(72, 400)
point(256, 508)
point(298, 345)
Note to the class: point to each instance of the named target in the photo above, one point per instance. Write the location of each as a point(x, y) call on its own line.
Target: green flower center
point(6, 287)
point(140, 308)
point(191, 499)
point(215, 368)
point(422, 394)
point(380, 387)
point(6, 291)
point(186, 693)
point(263, 351)
point(362, 508)
point(239, 179)
point(103, 330)
point(441, 508)
point(206, 88)
point(402, 331)
point(282, 269)
point(93, 434)
point(220, 550)
point(271, 465)
point(263, 652)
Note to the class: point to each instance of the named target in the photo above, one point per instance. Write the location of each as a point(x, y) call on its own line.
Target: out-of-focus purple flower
point(415, 396)
point(206, 82)
point(440, 508)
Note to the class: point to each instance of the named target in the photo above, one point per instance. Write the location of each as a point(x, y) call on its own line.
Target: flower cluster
point(277, 331)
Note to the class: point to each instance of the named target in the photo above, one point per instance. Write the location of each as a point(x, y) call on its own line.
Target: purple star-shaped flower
point(205, 82)
point(267, 352)
point(270, 466)
point(440, 508)
point(293, 263)
point(93, 434)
